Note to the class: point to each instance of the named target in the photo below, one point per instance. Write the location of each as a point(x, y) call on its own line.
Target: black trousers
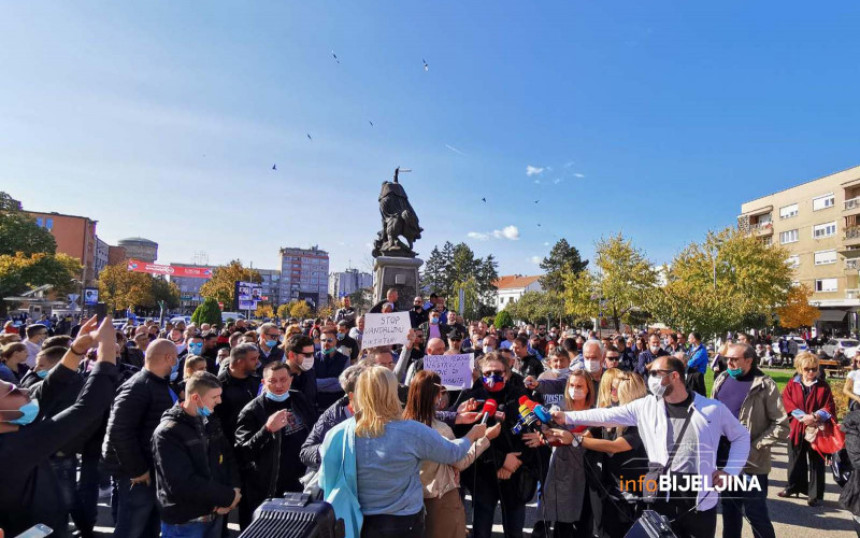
point(688, 522)
point(386, 526)
point(805, 477)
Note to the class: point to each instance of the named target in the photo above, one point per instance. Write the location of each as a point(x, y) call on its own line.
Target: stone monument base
point(398, 273)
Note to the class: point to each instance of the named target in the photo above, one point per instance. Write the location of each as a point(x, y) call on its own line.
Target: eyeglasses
point(327, 340)
point(659, 373)
point(493, 372)
point(615, 359)
point(810, 369)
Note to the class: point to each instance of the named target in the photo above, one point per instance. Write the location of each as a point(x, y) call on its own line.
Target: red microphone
point(490, 407)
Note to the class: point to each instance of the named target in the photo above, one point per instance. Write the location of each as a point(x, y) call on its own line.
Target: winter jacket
point(646, 358)
point(258, 450)
point(327, 368)
point(235, 395)
point(819, 397)
point(136, 413)
point(331, 417)
point(193, 463)
point(763, 414)
point(29, 491)
point(275, 355)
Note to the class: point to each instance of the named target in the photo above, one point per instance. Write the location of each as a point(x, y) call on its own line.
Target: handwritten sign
point(385, 329)
point(455, 370)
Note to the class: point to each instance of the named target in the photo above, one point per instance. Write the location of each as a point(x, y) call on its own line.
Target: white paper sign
point(455, 370)
point(385, 329)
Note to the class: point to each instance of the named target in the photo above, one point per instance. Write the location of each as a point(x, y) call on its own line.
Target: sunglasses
point(659, 373)
point(810, 369)
point(493, 372)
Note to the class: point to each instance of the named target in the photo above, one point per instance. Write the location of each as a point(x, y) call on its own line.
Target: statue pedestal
point(399, 273)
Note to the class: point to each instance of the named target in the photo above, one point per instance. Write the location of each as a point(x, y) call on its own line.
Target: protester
point(346, 314)
point(694, 454)
point(851, 388)
point(127, 449)
point(300, 359)
point(648, 355)
point(626, 357)
point(391, 297)
point(29, 492)
point(698, 354)
point(195, 488)
point(358, 331)
point(849, 498)
point(13, 359)
point(445, 516)
point(267, 344)
point(418, 314)
point(432, 328)
point(527, 364)
point(376, 457)
point(754, 399)
point(329, 363)
point(270, 432)
point(239, 383)
point(36, 334)
point(810, 405)
point(346, 344)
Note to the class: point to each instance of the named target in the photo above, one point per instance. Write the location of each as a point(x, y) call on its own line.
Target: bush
point(503, 319)
point(208, 312)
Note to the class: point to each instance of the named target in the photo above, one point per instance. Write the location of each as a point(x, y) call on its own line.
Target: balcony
point(852, 293)
point(852, 235)
point(852, 265)
point(852, 204)
point(762, 228)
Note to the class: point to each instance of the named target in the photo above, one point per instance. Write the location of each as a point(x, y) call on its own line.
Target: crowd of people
point(186, 427)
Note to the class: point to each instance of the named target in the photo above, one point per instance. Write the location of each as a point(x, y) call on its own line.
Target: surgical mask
point(195, 349)
point(592, 366)
point(174, 372)
point(329, 351)
point(30, 411)
point(278, 397)
point(307, 364)
point(656, 386)
point(434, 321)
point(576, 393)
point(340, 336)
point(42, 374)
point(271, 343)
point(489, 349)
point(654, 349)
point(203, 411)
point(735, 372)
point(494, 383)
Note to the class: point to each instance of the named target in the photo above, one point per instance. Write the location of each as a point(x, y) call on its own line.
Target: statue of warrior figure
point(398, 220)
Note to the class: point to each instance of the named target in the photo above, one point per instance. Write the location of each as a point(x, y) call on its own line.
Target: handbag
point(655, 470)
point(829, 440)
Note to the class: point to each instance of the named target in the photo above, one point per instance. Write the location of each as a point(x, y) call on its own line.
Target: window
point(788, 236)
point(820, 231)
point(826, 284)
point(788, 211)
point(825, 257)
point(49, 224)
point(793, 260)
point(823, 202)
point(39, 222)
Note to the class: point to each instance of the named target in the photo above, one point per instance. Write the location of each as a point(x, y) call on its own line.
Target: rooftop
point(515, 281)
point(857, 168)
point(137, 240)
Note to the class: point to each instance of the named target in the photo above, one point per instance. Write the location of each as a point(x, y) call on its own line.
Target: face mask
point(592, 366)
point(195, 349)
point(340, 336)
point(434, 321)
point(278, 397)
point(307, 364)
point(489, 349)
point(494, 383)
point(576, 393)
point(328, 351)
point(656, 386)
point(271, 343)
point(418, 308)
point(203, 411)
point(735, 372)
point(30, 411)
point(42, 374)
point(654, 349)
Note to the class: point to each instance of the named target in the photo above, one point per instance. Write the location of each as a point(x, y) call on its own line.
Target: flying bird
point(275, 166)
point(426, 67)
point(484, 200)
point(370, 122)
point(309, 137)
point(536, 201)
point(538, 225)
point(333, 55)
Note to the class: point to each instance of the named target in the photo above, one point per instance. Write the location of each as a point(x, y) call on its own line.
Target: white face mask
point(656, 386)
point(592, 366)
point(307, 364)
point(576, 393)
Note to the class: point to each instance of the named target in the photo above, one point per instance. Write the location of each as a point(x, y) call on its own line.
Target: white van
point(235, 316)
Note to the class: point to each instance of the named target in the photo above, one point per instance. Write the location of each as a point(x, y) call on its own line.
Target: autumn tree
point(19, 231)
point(120, 288)
point(222, 285)
point(537, 307)
point(621, 279)
point(283, 311)
point(264, 311)
point(300, 309)
point(797, 312)
point(21, 272)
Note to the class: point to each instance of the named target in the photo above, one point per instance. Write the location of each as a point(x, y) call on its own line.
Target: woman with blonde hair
point(608, 384)
point(370, 463)
point(446, 517)
point(810, 407)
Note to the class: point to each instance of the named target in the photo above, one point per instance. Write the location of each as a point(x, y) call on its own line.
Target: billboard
point(173, 270)
point(248, 294)
point(91, 296)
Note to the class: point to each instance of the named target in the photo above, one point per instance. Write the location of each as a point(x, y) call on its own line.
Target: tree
point(362, 299)
point(120, 288)
point(163, 291)
point(19, 231)
point(21, 272)
point(222, 285)
point(325, 311)
point(264, 311)
point(620, 283)
point(752, 280)
point(283, 311)
point(300, 309)
point(797, 312)
point(537, 307)
point(503, 319)
point(563, 259)
point(456, 267)
point(207, 312)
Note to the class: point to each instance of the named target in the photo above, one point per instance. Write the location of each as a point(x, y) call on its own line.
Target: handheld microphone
point(541, 413)
point(490, 407)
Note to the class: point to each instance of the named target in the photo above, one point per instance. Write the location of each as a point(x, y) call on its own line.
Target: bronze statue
point(398, 220)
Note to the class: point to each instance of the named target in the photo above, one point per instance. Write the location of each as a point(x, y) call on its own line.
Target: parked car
point(801, 344)
point(847, 345)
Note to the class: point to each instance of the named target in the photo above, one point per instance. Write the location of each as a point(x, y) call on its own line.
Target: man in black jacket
point(240, 383)
point(329, 363)
point(391, 296)
point(529, 365)
point(269, 437)
point(300, 359)
point(346, 344)
point(29, 492)
point(127, 448)
point(267, 344)
point(195, 488)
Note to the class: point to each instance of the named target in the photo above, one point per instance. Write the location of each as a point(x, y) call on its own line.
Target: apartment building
point(304, 275)
point(75, 236)
point(345, 283)
point(818, 222)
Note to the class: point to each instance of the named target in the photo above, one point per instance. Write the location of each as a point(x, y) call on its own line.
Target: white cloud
point(579, 175)
point(534, 170)
point(508, 232)
point(568, 164)
point(537, 182)
point(557, 180)
point(455, 150)
point(536, 260)
point(478, 235)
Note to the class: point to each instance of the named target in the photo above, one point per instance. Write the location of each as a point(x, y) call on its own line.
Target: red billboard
point(172, 270)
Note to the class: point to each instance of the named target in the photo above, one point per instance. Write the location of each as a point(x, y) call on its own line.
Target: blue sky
point(655, 118)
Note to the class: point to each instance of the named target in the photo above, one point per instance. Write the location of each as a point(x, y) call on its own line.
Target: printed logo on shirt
point(294, 424)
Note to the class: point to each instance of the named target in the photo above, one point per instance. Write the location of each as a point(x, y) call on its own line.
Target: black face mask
point(418, 308)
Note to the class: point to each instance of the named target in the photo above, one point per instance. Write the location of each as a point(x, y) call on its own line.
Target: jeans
point(136, 510)
point(85, 510)
point(385, 526)
point(753, 504)
point(65, 469)
point(211, 529)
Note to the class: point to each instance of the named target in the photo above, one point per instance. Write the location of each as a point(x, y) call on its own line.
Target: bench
point(832, 368)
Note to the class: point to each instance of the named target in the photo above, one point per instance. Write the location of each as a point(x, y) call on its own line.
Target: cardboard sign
point(385, 329)
point(455, 370)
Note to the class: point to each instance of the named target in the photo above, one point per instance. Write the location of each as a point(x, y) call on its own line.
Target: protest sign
point(455, 370)
point(385, 329)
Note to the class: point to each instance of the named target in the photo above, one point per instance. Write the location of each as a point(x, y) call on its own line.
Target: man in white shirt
point(36, 334)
